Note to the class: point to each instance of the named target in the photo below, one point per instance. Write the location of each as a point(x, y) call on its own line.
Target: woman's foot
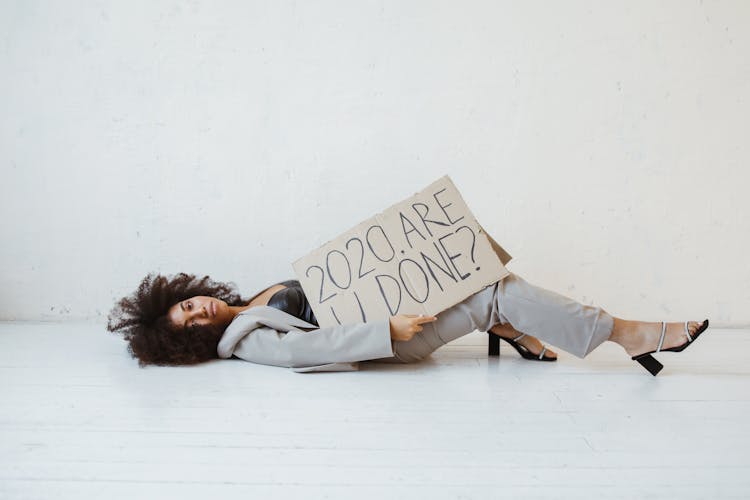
point(506, 331)
point(638, 337)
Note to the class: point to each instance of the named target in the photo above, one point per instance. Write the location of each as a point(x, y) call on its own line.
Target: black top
point(292, 300)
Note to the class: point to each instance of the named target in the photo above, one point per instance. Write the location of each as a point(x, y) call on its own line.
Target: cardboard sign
point(420, 256)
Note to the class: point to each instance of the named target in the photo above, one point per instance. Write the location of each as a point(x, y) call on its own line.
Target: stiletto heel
point(651, 364)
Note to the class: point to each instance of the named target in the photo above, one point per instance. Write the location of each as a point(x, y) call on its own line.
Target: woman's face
point(200, 310)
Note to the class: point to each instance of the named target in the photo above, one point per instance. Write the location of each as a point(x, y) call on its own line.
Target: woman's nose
point(201, 313)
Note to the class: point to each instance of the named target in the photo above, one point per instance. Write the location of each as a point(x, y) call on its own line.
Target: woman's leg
point(554, 318)
point(563, 322)
point(473, 313)
point(578, 328)
point(559, 320)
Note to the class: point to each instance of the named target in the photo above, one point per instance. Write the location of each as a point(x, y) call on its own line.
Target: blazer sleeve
point(298, 348)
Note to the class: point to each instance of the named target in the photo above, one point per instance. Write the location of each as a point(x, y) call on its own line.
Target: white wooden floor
point(80, 420)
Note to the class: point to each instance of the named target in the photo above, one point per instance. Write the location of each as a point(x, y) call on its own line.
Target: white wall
point(604, 144)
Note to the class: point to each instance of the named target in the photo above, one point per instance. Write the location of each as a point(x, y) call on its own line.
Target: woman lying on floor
point(186, 320)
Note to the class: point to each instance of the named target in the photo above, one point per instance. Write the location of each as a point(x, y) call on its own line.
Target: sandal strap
point(687, 332)
point(663, 331)
point(541, 354)
point(516, 339)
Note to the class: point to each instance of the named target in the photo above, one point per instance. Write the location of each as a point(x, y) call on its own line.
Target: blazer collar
point(277, 315)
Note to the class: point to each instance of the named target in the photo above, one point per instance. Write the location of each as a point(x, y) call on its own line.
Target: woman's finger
point(424, 319)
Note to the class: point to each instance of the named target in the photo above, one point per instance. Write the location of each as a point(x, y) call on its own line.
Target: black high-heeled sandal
point(494, 348)
point(651, 364)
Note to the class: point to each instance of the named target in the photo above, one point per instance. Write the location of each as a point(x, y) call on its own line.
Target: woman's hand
point(405, 326)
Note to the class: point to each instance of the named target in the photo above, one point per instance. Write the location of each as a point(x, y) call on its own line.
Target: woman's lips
point(213, 309)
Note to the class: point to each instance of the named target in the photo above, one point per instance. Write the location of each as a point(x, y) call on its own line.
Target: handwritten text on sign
point(422, 255)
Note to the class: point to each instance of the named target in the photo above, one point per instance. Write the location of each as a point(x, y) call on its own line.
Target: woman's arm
point(334, 344)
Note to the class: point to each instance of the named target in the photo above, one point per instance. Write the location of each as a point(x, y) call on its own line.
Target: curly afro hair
point(152, 338)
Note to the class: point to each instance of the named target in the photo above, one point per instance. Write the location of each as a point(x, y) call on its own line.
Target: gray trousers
point(549, 316)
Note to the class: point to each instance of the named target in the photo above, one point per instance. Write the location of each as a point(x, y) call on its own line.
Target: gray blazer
point(269, 336)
